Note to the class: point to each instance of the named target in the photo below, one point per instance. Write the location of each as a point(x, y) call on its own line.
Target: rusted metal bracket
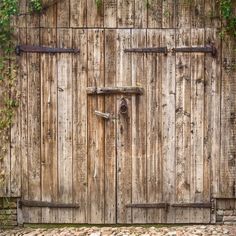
point(148, 50)
point(168, 205)
point(208, 49)
point(39, 49)
point(193, 205)
point(148, 205)
point(114, 90)
point(27, 203)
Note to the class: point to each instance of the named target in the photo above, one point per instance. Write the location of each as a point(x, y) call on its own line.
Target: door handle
point(106, 116)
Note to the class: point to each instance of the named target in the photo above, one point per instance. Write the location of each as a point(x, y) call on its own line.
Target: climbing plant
point(229, 17)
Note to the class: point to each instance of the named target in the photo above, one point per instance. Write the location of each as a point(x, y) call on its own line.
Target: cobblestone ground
point(126, 231)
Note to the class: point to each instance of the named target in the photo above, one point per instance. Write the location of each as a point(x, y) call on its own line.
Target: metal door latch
point(106, 116)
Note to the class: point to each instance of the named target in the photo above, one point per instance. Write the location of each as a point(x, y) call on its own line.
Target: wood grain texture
point(48, 18)
point(154, 128)
point(168, 122)
point(34, 125)
point(63, 14)
point(227, 157)
point(110, 13)
point(78, 13)
point(95, 14)
point(139, 123)
point(49, 175)
point(125, 13)
point(154, 11)
point(110, 128)
point(96, 134)
point(124, 130)
point(183, 126)
point(79, 108)
point(64, 123)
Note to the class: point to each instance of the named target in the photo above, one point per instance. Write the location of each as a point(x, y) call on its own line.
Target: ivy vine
point(229, 17)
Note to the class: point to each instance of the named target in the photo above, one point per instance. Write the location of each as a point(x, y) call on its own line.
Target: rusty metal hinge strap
point(148, 50)
point(27, 203)
point(39, 49)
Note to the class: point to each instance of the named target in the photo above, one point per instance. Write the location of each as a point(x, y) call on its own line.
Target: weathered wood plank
point(154, 11)
point(96, 134)
point(125, 13)
point(110, 13)
point(23, 71)
point(124, 155)
point(64, 122)
point(110, 128)
point(183, 14)
point(95, 13)
point(228, 121)
point(80, 126)
point(32, 20)
point(212, 14)
point(78, 13)
point(139, 175)
point(15, 161)
point(34, 125)
point(140, 16)
point(63, 14)
point(49, 176)
point(198, 14)
point(168, 123)
point(197, 127)
point(212, 117)
point(154, 128)
point(48, 18)
point(168, 14)
point(183, 126)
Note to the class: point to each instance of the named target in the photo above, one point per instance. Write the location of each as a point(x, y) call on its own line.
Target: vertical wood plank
point(228, 120)
point(49, 125)
point(139, 175)
point(140, 20)
point(78, 13)
point(154, 128)
point(183, 126)
point(22, 18)
point(197, 13)
point(64, 73)
point(212, 14)
point(32, 20)
point(80, 126)
point(63, 14)
point(110, 128)
point(125, 13)
point(110, 13)
point(183, 14)
point(23, 70)
point(15, 128)
point(212, 117)
point(124, 149)
point(168, 122)
point(95, 14)
point(96, 136)
point(197, 126)
point(48, 18)
point(154, 18)
point(34, 125)
point(168, 14)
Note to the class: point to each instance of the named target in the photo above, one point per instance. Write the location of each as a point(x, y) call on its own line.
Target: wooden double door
point(150, 161)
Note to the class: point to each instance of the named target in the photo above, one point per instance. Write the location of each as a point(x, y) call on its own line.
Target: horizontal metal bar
point(147, 205)
point(39, 49)
point(148, 50)
point(114, 90)
point(27, 203)
point(192, 205)
point(207, 49)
